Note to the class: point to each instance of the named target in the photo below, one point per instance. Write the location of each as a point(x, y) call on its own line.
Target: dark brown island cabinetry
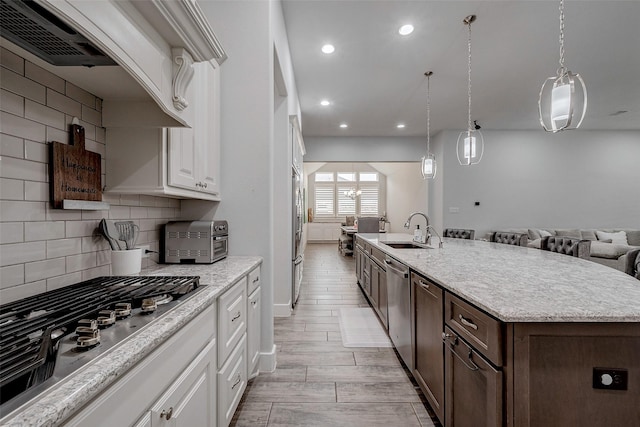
point(429, 357)
point(372, 277)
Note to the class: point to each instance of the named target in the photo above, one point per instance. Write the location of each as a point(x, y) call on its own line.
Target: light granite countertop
point(519, 284)
point(61, 400)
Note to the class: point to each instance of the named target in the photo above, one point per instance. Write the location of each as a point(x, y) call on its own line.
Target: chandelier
point(352, 193)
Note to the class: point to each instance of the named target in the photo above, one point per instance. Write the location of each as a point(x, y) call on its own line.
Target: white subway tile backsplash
point(50, 230)
point(22, 86)
point(120, 212)
point(36, 191)
point(16, 210)
point(11, 103)
point(91, 115)
point(81, 262)
point(62, 103)
point(11, 61)
point(11, 146)
point(11, 275)
point(36, 151)
point(42, 248)
point(22, 128)
point(18, 292)
point(11, 232)
point(13, 168)
point(96, 272)
point(80, 95)
point(63, 247)
point(43, 114)
point(11, 189)
point(19, 253)
point(64, 280)
point(44, 269)
point(81, 228)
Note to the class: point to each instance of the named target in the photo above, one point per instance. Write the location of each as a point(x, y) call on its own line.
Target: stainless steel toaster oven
point(194, 242)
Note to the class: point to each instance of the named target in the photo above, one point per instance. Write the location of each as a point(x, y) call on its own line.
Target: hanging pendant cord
point(428, 113)
point(469, 80)
point(562, 68)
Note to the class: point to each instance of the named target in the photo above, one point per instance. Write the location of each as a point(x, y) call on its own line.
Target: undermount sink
point(406, 245)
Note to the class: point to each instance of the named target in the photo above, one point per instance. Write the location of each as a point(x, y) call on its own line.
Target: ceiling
point(375, 78)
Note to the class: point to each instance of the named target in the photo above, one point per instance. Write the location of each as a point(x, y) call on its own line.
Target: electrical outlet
point(610, 378)
point(145, 248)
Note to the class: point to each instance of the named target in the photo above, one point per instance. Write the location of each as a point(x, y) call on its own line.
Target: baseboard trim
point(282, 310)
point(268, 360)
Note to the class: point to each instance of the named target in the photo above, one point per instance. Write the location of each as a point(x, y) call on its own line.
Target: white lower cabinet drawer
point(232, 381)
point(254, 280)
point(232, 318)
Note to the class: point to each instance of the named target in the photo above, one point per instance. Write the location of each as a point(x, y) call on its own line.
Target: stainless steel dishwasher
point(399, 309)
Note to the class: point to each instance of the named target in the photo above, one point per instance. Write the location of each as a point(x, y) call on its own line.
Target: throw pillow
point(544, 233)
point(617, 238)
point(535, 244)
point(569, 233)
point(588, 235)
point(533, 234)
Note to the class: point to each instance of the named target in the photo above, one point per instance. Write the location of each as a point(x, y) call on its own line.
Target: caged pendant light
point(428, 168)
point(562, 103)
point(470, 146)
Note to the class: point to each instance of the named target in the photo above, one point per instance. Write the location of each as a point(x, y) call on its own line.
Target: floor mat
point(360, 327)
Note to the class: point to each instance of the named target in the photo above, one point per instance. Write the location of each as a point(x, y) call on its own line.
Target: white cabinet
point(297, 145)
point(180, 374)
point(232, 350)
point(191, 399)
point(175, 162)
point(253, 323)
point(194, 152)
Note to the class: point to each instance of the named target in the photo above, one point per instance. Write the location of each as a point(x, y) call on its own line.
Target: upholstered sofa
point(608, 246)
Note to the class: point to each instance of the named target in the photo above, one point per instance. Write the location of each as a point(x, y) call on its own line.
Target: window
point(334, 194)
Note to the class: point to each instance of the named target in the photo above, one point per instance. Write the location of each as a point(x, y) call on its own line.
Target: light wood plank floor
point(318, 382)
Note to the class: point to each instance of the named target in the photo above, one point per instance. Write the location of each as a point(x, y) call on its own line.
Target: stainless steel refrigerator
point(297, 236)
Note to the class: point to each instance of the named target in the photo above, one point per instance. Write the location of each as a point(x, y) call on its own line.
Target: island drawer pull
point(424, 285)
point(468, 323)
point(473, 365)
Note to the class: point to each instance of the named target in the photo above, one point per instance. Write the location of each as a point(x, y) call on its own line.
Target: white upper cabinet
point(175, 162)
point(297, 144)
point(156, 42)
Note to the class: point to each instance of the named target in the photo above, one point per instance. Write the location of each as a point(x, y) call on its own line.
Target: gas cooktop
point(46, 337)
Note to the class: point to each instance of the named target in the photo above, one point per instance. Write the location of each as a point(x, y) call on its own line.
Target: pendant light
point(562, 103)
point(470, 146)
point(428, 168)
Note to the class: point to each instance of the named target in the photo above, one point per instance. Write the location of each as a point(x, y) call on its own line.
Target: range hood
point(41, 33)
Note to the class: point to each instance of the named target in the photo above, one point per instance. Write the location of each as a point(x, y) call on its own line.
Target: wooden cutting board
point(75, 172)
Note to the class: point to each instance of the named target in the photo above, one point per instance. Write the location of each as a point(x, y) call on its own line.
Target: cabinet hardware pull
point(167, 414)
point(236, 317)
point(423, 284)
point(468, 323)
point(237, 382)
point(473, 366)
point(254, 303)
point(256, 279)
point(205, 185)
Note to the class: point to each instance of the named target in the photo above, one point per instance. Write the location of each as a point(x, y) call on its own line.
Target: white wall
point(406, 193)
point(364, 149)
point(573, 179)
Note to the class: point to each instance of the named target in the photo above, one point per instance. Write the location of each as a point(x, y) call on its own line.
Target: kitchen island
point(86, 389)
point(507, 335)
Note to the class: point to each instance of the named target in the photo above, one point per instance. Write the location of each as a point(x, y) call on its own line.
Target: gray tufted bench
point(509, 238)
point(458, 233)
point(632, 266)
point(567, 245)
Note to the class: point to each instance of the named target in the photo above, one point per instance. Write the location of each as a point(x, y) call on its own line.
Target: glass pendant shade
point(428, 168)
point(470, 147)
point(563, 102)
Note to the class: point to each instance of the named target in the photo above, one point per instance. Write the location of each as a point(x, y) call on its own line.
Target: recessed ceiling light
point(324, 103)
point(400, 125)
point(343, 125)
point(405, 30)
point(328, 48)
